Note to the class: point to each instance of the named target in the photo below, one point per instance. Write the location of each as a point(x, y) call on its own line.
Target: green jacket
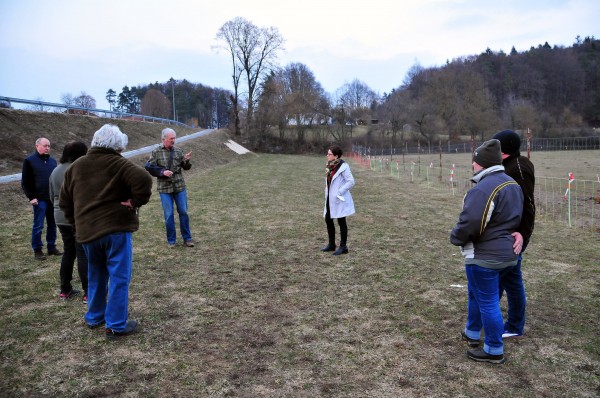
point(159, 161)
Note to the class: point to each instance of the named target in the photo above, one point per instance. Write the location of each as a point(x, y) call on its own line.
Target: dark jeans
point(331, 228)
point(43, 211)
point(72, 250)
point(511, 281)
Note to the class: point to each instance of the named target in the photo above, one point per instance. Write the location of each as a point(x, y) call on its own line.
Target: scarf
point(331, 167)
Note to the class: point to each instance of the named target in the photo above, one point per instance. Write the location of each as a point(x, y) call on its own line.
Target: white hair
point(166, 131)
point(109, 136)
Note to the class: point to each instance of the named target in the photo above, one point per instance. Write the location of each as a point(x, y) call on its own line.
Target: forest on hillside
point(552, 90)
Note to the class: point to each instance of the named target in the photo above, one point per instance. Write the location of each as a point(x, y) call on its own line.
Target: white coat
point(341, 183)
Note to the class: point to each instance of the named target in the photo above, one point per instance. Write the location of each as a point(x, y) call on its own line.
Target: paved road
point(128, 154)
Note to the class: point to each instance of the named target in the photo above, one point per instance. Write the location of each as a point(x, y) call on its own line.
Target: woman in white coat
point(338, 201)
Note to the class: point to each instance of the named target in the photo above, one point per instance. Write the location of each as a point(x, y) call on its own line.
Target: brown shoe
point(39, 255)
point(189, 243)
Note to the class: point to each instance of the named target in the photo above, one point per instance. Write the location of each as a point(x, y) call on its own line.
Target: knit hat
point(510, 142)
point(488, 154)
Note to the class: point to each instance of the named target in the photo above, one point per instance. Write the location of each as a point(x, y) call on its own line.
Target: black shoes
point(130, 328)
point(95, 326)
point(39, 255)
point(341, 250)
point(328, 248)
point(470, 342)
point(481, 356)
point(331, 248)
point(54, 252)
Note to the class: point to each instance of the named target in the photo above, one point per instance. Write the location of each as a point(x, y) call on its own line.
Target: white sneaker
point(509, 335)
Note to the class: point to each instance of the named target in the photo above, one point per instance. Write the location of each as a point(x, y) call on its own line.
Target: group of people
point(94, 196)
point(493, 230)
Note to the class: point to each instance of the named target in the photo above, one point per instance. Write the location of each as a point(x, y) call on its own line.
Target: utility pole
point(173, 90)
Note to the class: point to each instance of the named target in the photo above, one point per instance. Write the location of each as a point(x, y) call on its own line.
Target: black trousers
point(72, 250)
point(331, 228)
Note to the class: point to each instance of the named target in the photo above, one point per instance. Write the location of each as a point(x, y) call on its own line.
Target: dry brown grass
point(585, 164)
point(19, 130)
point(256, 310)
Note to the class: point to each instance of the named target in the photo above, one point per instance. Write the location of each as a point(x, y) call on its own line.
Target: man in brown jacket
point(100, 196)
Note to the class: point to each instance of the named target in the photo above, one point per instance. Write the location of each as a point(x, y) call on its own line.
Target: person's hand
point(340, 197)
point(127, 204)
point(167, 173)
point(518, 244)
point(34, 201)
point(187, 156)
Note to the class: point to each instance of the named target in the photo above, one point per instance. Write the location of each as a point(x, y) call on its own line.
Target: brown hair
point(336, 150)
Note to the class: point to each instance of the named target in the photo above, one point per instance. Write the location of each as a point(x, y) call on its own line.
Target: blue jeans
point(43, 210)
point(180, 199)
point(484, 308)
point(511, 281)
point(109, 274)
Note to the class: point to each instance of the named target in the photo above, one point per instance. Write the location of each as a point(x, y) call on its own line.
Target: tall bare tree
point(156, 104)
point(83, 100)
point(253, 53)
point(304, 97)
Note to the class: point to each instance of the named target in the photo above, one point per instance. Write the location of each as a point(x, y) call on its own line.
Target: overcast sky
point(52, 47)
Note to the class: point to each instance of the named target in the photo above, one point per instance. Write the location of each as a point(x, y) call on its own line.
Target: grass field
point(256, 310)
point(581, 209)
point(556, 164)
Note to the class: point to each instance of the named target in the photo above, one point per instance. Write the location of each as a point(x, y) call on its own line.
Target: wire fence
point(528, 143)
point(569, 201)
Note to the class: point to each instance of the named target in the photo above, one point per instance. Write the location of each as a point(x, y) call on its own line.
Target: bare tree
point(393, 115)
point(83, 100)
point(156, 104)
point(67, 99)
point(357, 98)
point(304, 97)
point(253, 53)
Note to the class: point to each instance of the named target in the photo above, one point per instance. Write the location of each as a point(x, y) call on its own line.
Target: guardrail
point(8, 101)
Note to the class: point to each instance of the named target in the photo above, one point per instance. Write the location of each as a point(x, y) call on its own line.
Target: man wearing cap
point(522, 171)
point(491, 212)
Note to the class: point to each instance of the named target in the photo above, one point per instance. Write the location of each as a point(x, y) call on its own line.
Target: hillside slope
point(19, 130)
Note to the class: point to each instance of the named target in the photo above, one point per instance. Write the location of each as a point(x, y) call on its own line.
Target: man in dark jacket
point(491, 212)
point(522, 171)
point(35, 175)
point(100, 196)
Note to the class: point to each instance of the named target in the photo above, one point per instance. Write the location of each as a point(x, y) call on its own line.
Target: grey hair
point(109, 136)
point(39, 140)
point(166, 131)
